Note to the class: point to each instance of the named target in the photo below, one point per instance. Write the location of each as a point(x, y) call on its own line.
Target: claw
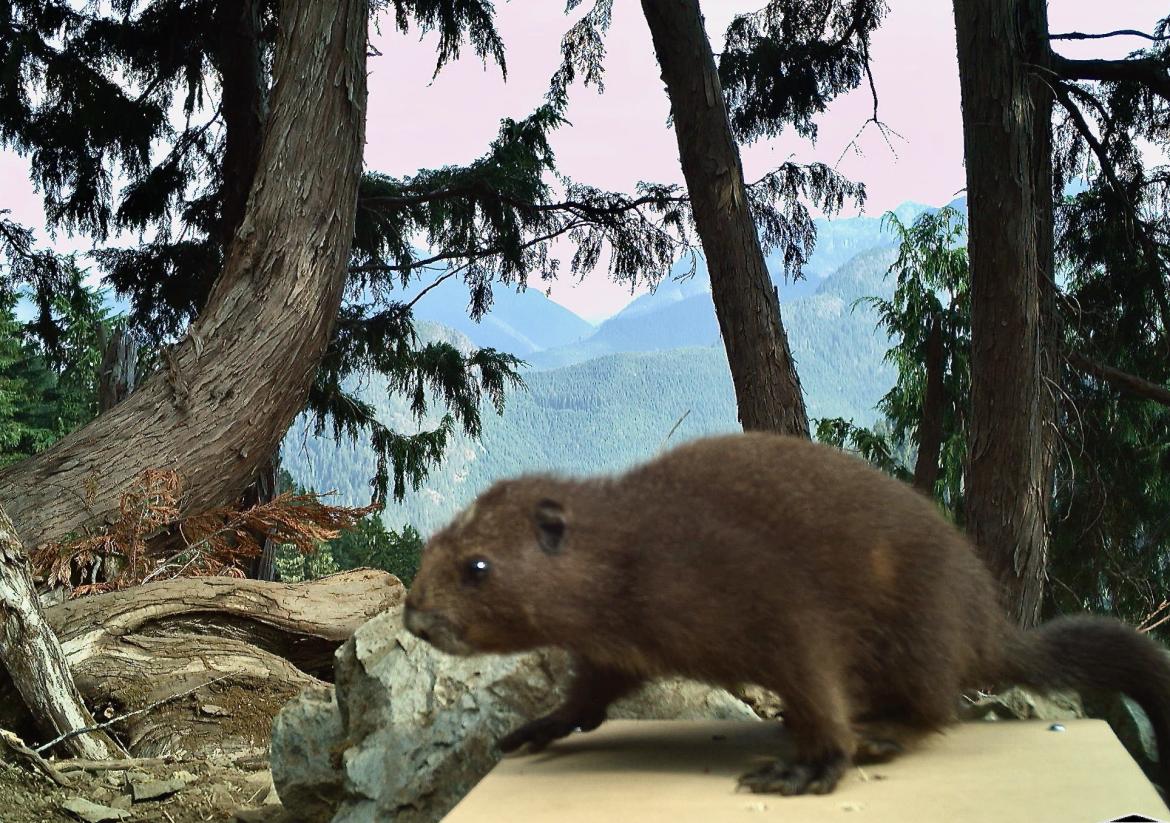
point(795, 777)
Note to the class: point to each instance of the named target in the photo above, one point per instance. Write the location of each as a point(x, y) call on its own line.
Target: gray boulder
point(409, 730)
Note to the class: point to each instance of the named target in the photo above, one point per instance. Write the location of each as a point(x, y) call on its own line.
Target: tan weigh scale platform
point(684, 772)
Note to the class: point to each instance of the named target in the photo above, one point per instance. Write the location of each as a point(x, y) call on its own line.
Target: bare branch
point(1080, 35)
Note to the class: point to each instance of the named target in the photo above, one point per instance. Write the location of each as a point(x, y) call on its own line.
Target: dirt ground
point(228, 726)
point(213, 790)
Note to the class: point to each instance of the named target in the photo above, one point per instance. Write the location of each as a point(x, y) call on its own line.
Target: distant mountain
point(605, 413)
point(519, 322)
point(678, 313)
point(681, 312)
point(842, 238)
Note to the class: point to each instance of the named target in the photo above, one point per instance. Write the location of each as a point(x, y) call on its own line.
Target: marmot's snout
point(432, 627)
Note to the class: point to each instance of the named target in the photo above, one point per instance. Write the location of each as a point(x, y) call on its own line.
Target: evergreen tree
point(88, 95)
point(1112, 536)
point(47, 392)
point(1033, 121)
point(372, 545)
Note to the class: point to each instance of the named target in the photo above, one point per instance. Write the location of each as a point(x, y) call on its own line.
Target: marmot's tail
point(1097, 653)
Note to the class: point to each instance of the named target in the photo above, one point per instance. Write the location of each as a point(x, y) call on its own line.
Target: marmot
point(758, 558)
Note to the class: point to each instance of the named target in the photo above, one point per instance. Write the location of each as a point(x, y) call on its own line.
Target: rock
point(307, 737)
point(91, 812)
point(766, 704)
point(212, 710)
point(1021, 704)
point(143, 790)
point(267, 814)
point(1129, 723)
point(410, 730)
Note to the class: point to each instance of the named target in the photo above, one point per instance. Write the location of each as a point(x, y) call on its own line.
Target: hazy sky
point(620, 137)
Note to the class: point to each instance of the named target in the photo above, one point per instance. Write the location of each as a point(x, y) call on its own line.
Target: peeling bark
point(33, 658)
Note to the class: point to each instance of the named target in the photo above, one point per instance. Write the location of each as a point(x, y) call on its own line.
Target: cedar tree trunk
point(230, 389)
point(245, 106)
point(1002, 46)
point(767, 389)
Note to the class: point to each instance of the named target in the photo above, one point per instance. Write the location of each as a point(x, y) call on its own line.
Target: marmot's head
point(483, 577)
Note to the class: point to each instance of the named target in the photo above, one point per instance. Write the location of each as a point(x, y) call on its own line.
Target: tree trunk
point(119, 369)
point(263, 490)
point(33, 658)
point(229, 391)
point(767, 388)
point(930, 424)
point(1006, 130)
point(245, 106)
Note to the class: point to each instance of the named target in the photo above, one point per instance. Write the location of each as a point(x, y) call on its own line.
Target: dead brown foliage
point(215, 542)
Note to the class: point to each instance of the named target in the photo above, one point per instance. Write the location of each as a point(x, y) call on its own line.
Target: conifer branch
point(1153, 72)
point(1124, 381)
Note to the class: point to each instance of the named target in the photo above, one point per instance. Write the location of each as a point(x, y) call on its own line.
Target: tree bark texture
point(33, 658)
point(119, 369)
point(767, 388)
point(1002, 46)
point(245, 106)
point(230, 389)
point(242, 646)
point(930, 425)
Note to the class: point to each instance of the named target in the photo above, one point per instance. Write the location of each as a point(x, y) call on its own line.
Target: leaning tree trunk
point(244, 85)
point(1006, 130)
point(767, 388)
point(240, 60)
point(33, 657)
point(228, 392)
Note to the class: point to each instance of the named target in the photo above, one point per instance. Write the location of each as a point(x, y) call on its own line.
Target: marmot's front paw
point(537, 734)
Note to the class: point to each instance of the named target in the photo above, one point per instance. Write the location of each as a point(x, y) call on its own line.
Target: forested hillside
point(604, 413)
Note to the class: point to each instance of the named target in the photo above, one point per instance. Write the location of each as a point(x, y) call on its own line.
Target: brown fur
point(758, 559)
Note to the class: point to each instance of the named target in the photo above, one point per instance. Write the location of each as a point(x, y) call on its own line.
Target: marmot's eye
point(476, 570)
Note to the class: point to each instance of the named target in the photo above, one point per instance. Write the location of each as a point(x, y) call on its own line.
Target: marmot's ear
point(550, 525)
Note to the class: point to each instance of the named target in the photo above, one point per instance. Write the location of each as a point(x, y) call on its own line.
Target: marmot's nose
point(416, 622)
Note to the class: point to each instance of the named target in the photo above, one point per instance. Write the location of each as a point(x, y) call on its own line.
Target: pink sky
point(620, 137)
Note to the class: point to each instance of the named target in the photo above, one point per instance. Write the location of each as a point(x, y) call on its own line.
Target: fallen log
point(214, 657)
point(31, 655)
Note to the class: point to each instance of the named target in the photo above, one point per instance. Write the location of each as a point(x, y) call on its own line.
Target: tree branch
point(464, 254)
point(1149, 247)
point(1154, 73)
point(1124, 381)
point(1080, 35)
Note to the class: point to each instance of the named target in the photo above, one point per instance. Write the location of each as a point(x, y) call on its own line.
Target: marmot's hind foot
point(790, 777)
